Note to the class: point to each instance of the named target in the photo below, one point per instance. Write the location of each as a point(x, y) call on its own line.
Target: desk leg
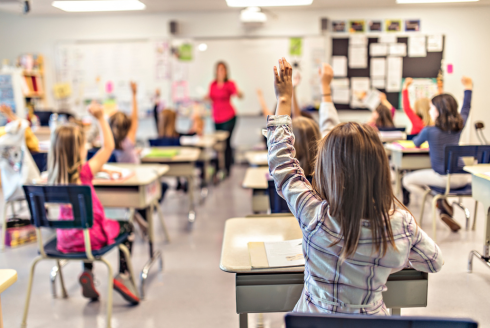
point(162, 220)
point(398, 182)
point(153, 255)
point(485, 257)
point(205, 183)
point(192, 213)
point(243, 320)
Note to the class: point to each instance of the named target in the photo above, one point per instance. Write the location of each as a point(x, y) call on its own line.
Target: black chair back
point(165, 142)
point(276, 202)
point(80, 198)
point(453, 153)
point(402, 129)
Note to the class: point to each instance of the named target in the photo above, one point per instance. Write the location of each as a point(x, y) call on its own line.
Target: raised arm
point(329, 117)
point(8, 113)
point(105, 152)
point(263, 105)
point(468, 92)
point(134, 114)
point(414, 118)
point(289, 178)
point(422, 137)
point(424, 254)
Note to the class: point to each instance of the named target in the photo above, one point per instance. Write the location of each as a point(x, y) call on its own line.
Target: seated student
point(32, 142)
point(167, 131)
point(446, 131)
point(351, 200)
point(382, 116)
point(66, 165)
point(420, 118)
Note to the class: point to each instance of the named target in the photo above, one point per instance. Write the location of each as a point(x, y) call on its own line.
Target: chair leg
point(54, 274)
point(434, 215)
point(110, 286)
point(162, 221)
point(466, 212)
point(423, 207)
point(29, 290)
point(64, 294)
point(127, 255)
point(474, 216)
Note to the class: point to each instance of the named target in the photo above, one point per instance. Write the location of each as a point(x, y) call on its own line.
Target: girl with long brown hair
point(356, 233)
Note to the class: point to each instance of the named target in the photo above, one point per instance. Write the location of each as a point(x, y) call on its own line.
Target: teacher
point(220, 92)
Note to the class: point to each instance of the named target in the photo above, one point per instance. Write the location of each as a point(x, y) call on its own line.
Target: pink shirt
point(102, 233)
point(223, 110)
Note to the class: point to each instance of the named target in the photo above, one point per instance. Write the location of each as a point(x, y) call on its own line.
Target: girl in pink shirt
point(66, 165)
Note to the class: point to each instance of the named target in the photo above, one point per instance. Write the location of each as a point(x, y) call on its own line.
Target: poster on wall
point(375, 26)
point(357, 26)
point(338, 26)
point(412, 25)
point(424, 88)
point(393, 25)
point(295, 46)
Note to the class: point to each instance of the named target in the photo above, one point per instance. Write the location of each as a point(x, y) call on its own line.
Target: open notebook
point(159, 153)
point(279, 254)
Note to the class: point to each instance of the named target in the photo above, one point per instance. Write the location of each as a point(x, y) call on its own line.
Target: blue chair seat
point(51, 249)
point(465, 191)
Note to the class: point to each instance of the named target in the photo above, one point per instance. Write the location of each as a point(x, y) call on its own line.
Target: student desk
point(256, 179)
point(480, 186)
point(7, 279)
point(278, 289)
point(407, 159)
point(257, 158)
point(181, 165)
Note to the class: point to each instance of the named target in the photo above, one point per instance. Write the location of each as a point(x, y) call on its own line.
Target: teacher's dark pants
point(227, 126)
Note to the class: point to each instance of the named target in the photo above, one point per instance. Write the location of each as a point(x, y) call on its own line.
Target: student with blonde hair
point(356, 233)
point(67, 165)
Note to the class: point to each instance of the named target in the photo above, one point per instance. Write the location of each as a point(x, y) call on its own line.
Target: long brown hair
point(218, 64)
point(449, 119)
point(64, 158)
point(306, 134)
point(166, 124)
point(352, 174)
point(120, 124)
point(422, 107)
point(384, 120)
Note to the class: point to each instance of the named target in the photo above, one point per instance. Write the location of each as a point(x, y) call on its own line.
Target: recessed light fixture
point(202, 47)
point(432, 1)
point(96, 5)
point(267, 3)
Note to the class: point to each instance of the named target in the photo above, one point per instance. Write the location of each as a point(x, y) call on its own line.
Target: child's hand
point(283, 84)
point(326, 74)
point(408, 82)
point(382, 96)
point(467, 83)
point(134, 87)
point(96, 110)
point(259, 92)
point(6, 111)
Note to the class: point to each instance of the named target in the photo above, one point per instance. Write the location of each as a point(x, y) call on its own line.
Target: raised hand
point(7, 112)
point(408, 82)
point(283, 87)
point(467, 83)
point(134, 87)
point(96, 110)
point(326, 74)
point(382, 96)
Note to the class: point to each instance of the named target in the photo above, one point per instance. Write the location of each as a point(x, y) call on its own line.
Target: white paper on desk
point(416, 46)
point(285, 253)
point(358, 57)
point(358, 40)
point(339, 83)
point(341, 95)
point(434, 43)
point(394, 74)
point(397, 49)
point(119, 173)
point(190, 140)
point(387, 38)
point(378, 82)
point(378, 49)
point(339, 66)
point(378, 67)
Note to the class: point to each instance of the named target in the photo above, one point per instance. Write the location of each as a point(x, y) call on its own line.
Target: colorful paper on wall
point(295, 46)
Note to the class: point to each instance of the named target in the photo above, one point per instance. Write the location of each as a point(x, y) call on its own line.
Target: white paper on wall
point(394, 74)
point(434, 43)
point(378, 67)
point(339, 66)
point(378, 49)
point(378, 82)
point(341, 95)
point(339, 83)
point(360, 87)
point(397, 49)
point(387, 38)
point(358, 57)
point(358, 40)
point(416, 46)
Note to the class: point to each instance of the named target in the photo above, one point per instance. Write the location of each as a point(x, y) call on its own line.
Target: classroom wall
point(465, 29)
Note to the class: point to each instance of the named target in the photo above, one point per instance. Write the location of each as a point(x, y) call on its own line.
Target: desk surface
point(256, 178)
point(239, 232)
point(257, 158)
point(7, 278)
point(143, 174)
point(394, 148)
point(185, 154)
point(479, 170)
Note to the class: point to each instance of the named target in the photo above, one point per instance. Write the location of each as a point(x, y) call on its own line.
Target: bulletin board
point(415, 67)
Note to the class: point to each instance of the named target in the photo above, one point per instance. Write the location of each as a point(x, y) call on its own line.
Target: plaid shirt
point(355, 285)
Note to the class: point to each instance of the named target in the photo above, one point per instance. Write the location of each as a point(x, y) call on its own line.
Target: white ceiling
point(43, 7)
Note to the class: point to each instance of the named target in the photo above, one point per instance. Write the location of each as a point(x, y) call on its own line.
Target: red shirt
point(417, 122)
point(220, 95)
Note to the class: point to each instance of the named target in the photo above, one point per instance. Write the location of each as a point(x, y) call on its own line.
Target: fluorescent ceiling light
point(95, 5)
point(432, 1)
point(267, 3)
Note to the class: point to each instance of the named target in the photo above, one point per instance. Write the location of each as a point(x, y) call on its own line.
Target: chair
point(93, 151)
point(411, 136)
point(304, 320)
point(80, 199)
point(165, 142)
point(386, 129)
point(277, 203)
point(41, 160)
point(452, 165)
